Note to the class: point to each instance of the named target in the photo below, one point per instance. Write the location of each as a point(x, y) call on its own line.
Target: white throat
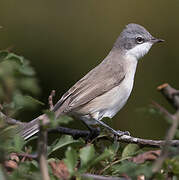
point(139, 50)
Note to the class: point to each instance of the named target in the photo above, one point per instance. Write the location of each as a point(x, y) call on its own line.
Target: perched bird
point(104, 90)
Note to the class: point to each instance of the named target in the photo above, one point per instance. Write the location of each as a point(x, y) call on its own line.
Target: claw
point(121, 133)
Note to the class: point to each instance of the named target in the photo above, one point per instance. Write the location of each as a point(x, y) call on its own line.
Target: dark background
point(65, 39)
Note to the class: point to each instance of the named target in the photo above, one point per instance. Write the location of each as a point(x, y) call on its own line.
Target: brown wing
point(98, 81)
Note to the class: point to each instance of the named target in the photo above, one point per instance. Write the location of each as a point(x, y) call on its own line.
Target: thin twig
point(146, 142)
point(165, 150)
point(29, 156)
point(162, 110)
point(50, 99)
point(113, 163)
point(42, 150)
point(171, 95)
point(98, 177)
point(9, 120)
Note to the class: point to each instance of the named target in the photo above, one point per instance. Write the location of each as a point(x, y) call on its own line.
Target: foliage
point(67, 157)
point(18, 83)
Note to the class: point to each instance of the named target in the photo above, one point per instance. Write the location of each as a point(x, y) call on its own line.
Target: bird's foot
point(117, 133)
point(121, 133)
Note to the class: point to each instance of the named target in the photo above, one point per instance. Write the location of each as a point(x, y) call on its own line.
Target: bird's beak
point(155, 40)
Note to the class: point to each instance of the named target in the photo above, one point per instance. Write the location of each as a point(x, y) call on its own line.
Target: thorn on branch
point(1, 107)
point(162, 110)
point(50, 99)
point(171, 94)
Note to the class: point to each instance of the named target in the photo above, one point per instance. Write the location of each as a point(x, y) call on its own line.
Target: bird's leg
point(118, 133)
point(94, 131)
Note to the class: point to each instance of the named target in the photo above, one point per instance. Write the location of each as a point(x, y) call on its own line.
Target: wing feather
point(95, 83)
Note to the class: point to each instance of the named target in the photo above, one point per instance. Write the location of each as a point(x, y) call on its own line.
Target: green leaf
point(173, 164)
point(17, 144)
point(176, 167)
point(106, 154)
point(132, 169)
point(3, 55)
point(177, 134)
point(50, 114)
point(59, 121)
point(71, 160)
point(20, 102)
point(130, 150)
point(27, 70)
point(65, 140)
point(15, 58)
point(114, 147)
point(29, 84)
point(64, 119)
point(33, 100)
point(87, 154)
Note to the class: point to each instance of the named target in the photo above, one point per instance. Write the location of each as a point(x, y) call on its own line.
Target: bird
point(104, 90)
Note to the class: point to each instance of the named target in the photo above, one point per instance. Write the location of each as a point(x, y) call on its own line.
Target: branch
point(9, 120)
point(167, 91)
point(42, 149)
point(28, 156)
point(146, 142)
point(125, 138)
point(165, 150)
point(162, 110)
point(75, 133)
point(84, 133)
point(171, 95)
point(98, 177)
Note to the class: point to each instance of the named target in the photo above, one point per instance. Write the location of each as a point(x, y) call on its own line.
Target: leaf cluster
point(18, 83)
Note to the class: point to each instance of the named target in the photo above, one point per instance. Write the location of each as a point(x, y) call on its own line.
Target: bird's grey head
point(135, 41)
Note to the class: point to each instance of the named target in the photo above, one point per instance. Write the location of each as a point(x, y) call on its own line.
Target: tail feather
point(29, 129)
point(32, 127)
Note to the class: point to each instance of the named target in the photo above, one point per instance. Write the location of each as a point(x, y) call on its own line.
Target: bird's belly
point(118, 97)
point(108, 104)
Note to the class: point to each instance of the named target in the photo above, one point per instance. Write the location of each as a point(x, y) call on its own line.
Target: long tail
point(29, 129)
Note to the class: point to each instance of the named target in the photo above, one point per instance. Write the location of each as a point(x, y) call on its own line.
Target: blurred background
point(64, 39)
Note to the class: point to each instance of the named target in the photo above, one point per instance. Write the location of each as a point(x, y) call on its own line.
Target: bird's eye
point(139, 40)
